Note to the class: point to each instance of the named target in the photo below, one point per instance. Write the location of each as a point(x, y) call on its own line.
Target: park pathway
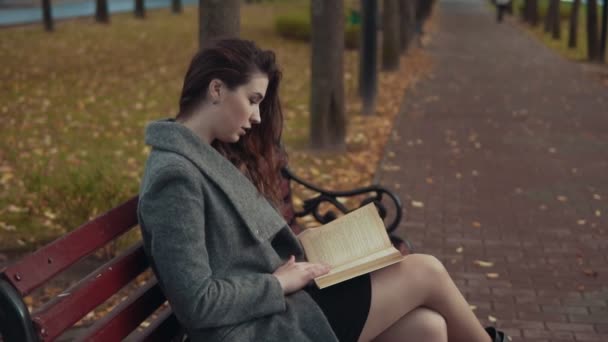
point(501, 158)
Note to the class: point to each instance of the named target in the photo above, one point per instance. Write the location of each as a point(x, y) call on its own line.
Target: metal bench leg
point(15, 322)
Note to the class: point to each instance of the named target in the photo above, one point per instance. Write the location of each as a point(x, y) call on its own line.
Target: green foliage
point(294, 26)
point(297, 26)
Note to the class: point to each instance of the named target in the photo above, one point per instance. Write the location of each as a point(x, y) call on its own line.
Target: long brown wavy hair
point(259, 155)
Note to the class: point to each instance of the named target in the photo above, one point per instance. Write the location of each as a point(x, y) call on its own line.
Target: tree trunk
point(592, 39)
point(407, 22)
point(556, 28)
point(140, 10)
point(525, 12)
point(533, 15)
point(550, 16)
point(218, 18)
point(101, 11)
point(573, 32)
point(604, 35)
point(47, 15)
point(327, 118)
point(176, 6)
point(390, 35)
point(367, 62)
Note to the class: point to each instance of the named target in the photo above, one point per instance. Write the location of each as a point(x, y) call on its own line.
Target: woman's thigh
point(399, 289)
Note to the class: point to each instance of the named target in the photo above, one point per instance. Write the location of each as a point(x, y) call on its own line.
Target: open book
point(354, 244)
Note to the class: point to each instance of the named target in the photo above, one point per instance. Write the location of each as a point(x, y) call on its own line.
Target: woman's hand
point(295, 275)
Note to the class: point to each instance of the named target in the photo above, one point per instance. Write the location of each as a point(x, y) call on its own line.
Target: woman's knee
point(423, 266)
point(431, 325)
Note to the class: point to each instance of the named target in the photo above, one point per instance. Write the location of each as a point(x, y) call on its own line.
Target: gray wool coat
point(214, 242)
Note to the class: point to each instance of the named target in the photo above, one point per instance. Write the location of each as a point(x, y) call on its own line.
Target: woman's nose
point(255, 117)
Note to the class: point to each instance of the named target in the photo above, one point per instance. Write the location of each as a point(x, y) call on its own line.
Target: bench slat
point(127, 315)
point(35, 269)
point(70, 306)
point(164, 328)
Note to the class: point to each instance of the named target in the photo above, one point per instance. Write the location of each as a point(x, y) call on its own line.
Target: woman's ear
point(216, 89)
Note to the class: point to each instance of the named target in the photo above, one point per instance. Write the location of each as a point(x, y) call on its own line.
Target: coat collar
point(258, 214)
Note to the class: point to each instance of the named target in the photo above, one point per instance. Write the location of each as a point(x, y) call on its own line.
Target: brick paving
point(501, 156)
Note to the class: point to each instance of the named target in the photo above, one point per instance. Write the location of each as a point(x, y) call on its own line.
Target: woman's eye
point(251, 101)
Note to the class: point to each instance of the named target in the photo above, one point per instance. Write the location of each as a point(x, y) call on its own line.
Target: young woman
point(225, 258)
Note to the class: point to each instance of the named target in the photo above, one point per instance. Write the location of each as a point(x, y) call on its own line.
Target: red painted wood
point(35, 269)
point(127, 315)
point(163, 329)
point(70, 306)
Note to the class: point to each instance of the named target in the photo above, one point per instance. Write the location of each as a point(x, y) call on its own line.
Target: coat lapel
point(259, 215)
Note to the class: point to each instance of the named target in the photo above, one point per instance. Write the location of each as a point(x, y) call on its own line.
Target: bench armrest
point(375, 195)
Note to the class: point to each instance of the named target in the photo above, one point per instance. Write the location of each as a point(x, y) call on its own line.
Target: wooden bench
point(145, 303)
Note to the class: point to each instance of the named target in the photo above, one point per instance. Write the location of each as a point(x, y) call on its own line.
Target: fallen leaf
point(476, 224)
point(581, 222)
point(417, 204)
point(491, 318)
point(475, 173)
point(597, 197)
point(473, 307)
point(429, 180)
point(598, 213)
point(562, 198)
point(15, 209)
point(492, 275)
point(458, 175)
point(482, 263)
point(590, 273)
point(459, 250)
point(552, 150)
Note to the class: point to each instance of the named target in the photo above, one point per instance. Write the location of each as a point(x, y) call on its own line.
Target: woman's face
point(240, 109)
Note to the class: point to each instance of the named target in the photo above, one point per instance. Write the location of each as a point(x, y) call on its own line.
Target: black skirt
point(346, 306)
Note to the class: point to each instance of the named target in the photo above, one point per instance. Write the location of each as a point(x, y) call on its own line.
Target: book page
point(356, 234)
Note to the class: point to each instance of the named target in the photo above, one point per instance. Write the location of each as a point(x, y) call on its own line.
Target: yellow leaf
point(562, 198)
point(491, 318)
point(417, 204)
point(598, 213)
point(429, 180)
point(6, 177)
point(15, 209)
point(597, 197)
point(581, 222)
point(482, 263)
point(297, 201)
point(492, 275)
point(476, 224)
point(459, 250)
point(50, 214)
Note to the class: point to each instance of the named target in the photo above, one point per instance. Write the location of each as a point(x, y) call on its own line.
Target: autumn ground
point(74, 105)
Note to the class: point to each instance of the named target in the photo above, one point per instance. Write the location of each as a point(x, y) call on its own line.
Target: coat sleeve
point(171, 212)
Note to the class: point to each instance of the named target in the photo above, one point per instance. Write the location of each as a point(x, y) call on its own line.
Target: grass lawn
point(580, 52)
point(74, 104)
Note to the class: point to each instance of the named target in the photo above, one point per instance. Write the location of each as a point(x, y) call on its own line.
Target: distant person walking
point(501, 8)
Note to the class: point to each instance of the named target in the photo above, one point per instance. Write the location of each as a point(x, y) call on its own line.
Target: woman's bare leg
point(420, 324)
point(420, 280)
